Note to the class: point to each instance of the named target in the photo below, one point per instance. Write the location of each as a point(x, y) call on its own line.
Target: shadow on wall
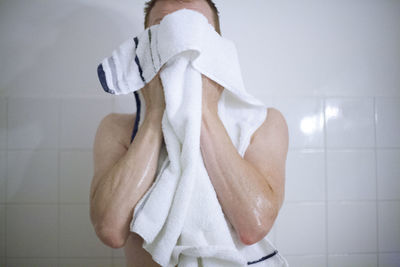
point(56, 46)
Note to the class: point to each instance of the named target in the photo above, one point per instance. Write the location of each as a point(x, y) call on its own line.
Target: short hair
point(150, 4)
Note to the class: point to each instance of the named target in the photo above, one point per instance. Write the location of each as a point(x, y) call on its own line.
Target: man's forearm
point(124, 185)
point(244, 194)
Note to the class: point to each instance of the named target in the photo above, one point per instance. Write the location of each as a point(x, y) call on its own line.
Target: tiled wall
point(342, 203)
point(337, 82)
point(46, 170)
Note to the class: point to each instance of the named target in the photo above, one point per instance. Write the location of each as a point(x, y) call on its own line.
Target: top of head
point(155, 10)
point(186, 19)
point(184, 29)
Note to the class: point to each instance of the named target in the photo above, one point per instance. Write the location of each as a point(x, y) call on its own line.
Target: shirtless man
point(249, 189)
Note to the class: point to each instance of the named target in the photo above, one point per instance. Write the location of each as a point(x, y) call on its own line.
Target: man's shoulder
point(117, 126)
point(273, 125)
point(118, 119)
point(275, 118)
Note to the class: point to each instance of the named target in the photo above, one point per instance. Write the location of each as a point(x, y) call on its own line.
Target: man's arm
point(250, 189)
point(122, 175)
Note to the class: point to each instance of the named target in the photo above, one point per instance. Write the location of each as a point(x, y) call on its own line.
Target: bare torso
point(136, 255)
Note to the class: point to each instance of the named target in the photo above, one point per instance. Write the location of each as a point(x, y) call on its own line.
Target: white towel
point(179, 217)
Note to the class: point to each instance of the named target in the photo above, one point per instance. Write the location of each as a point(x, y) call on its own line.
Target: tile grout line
point(289, 254)
point(51, 149)
point(376, 180)
point(292, 149)
point(6, 186)
point(298, 202)
point(67, 258)
point(266, 96)
point(326, 183)
point(58, 178)
point(336, 254)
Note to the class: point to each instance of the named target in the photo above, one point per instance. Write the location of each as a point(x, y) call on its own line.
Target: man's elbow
point(254, 236)
point(111, 237)
point(254, 232)
point(112, 233)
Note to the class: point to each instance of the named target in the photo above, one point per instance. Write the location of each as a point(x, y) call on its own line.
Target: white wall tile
point(36, 66)
point(305, 168)
point(304, 116)
point(312, 52)
point(387, 122)
point(118, 253)
point(15, 262)
point(389, 226)
point(77, 235)
point(80, 118)
point(32, 177)
point(266, 99)
point(32, 231)
point(306, 261)
point(76, 173)
point(349, 122)
point(388, 173)
point(389, 259)
point(351, 175)
point(352, 260)
point(33, 123)
point(125, 104)
point(85, 262)
point(352, 227)
point(3, 172)
point(3, 123)
point(301, 229)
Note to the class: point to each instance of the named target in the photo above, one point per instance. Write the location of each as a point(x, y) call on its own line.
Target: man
point(249, 189)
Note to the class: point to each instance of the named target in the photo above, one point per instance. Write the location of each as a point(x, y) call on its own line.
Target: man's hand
point(153, 95)
point(211, 94)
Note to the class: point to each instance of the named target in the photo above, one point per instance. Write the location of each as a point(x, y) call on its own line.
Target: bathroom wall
point(331, 67)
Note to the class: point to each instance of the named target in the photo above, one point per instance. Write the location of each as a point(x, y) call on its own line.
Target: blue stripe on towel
point(137, 98)
point(102, 77)
point(138, 108)
point(263, 258)
point(137, 60)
